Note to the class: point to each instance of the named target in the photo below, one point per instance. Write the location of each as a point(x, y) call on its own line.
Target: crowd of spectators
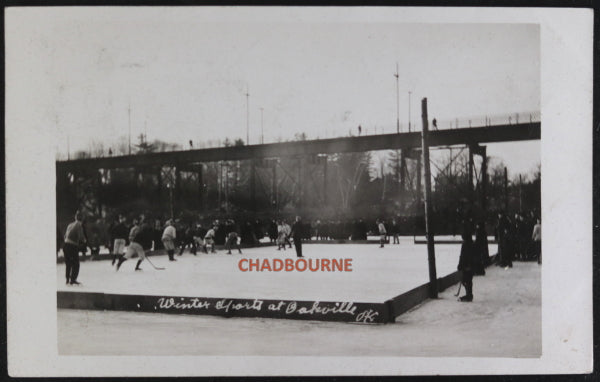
point(518, 238)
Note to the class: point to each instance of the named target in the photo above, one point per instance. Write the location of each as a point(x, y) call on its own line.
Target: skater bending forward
point(232, 240)
point(140, 239)
point(465, 266)
point(209, 240)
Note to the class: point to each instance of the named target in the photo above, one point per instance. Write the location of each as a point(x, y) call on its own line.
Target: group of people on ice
point(519, 239)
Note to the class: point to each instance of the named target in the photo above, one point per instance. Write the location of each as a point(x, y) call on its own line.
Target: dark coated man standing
point(465, 265)
point(297, 236)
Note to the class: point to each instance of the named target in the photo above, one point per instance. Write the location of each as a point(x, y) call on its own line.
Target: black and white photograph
point(283, 191)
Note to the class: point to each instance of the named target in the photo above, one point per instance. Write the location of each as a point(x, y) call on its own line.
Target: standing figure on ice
point(281, 236)
point(297, 233)
point(74, 239)
point(465, 265)
point(482, 254)
point(168, 239)
point(140, 238)
point(209, 239)
point(382, 233)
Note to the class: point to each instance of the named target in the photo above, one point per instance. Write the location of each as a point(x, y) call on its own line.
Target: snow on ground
point(504, 320)
point(377, 274)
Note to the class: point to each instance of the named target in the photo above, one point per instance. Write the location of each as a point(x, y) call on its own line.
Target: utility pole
point(247, 116)
point(433, 288)
point(68, 149)
point(505, 190)
point(397, 75)
point(262, 131)
point(409, 93)
point(520, 194)
point(129, 114)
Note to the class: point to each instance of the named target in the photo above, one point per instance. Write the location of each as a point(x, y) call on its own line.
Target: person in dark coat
point(482, 254)
point(297, 236)
point(395, 231)
point(465, 266)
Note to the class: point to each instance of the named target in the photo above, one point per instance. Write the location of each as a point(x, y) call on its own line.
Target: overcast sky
point(185, 75)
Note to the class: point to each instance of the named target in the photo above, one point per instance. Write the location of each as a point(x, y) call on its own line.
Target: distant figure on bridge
point(359, 129)
point(434, 122)
point(191, 144)
point(109, 152)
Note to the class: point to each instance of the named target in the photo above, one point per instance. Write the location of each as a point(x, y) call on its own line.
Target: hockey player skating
point(140, 238)
point(382, 233)
point(198, 237)
point(168, 239)
point(119, 235)
point(288, 232)
point(209, 240)
point(74, 239)
point(232, 240)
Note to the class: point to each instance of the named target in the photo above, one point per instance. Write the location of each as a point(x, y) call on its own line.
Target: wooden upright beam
point(433, 288)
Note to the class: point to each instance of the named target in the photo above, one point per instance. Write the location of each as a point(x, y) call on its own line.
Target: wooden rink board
point(357, 312)
point(343, 297)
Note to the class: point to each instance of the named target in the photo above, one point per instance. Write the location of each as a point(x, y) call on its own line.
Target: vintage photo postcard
point(205, 191)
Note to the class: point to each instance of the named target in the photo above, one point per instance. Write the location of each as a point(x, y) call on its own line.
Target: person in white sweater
point(168, 239)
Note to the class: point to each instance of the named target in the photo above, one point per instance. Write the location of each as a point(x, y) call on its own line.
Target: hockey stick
point(154, 266)
point(459, 286)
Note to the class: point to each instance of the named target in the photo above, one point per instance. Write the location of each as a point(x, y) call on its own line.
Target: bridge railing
point(489, 120)
point(440, 124)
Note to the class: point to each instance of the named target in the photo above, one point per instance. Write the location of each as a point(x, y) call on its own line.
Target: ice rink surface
point(377, 274)
point(504, 320)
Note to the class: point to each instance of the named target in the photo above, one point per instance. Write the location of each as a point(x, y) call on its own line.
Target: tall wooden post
point(470, 177)
point(505, 190)
point(433, 289)
point(274, 201)
point(300, 184)
point(484, 180)
point(402, 171)
point(159, 186)
point(201, 185)
point(178, 190)
point(253, 183)
point(520, 194)
point(219, 183)
point(325, 164)
point(419, 188)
